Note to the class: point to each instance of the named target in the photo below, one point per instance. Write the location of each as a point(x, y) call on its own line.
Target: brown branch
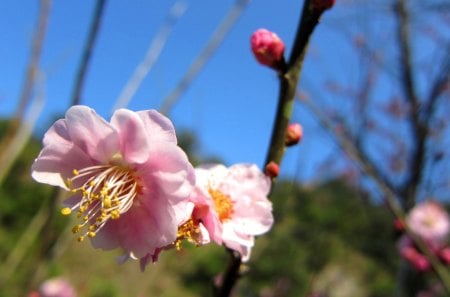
point(288, 81)
point(438, 87)
point(417, 157)
point(354, 152)
point(87, 52)
point(348, 147)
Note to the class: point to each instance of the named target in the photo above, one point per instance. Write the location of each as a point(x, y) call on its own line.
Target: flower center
point(222, 204)
point(107, 192)
point(189, 231)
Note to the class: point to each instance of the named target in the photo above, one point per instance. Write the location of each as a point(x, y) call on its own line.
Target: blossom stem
point(288, 83)
point(288, 80)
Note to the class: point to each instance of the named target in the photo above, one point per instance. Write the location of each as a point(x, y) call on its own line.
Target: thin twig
point(33, 65)
point(210, 48)
point(153, 52)
point(417, 157)
point(87, 52)
point(30, 75)
point(18, 141)
point(349, 148)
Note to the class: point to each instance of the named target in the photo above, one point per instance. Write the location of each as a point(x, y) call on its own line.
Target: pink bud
point(399, 225)
point(294, 133)
point(420, 262)
point(322, 5)
point(272, 169)
point(268, 48)
point(444, 254)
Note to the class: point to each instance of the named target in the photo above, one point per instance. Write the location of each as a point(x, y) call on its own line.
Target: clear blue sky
point(230, 106)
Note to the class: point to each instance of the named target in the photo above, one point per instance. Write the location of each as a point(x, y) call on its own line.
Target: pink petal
point(106, 239)
point(242, 243)
point(168, 172)
point(57, 133)
point(158, 127)
point(92, 133)
point(134, 140)
point(141, 230)
point(253, 219)
point(56, 163)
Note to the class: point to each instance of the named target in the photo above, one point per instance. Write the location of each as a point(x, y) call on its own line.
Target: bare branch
point(418, 151)
point(87, 52)
point(33, 65)
point(152, 55)
point(210, 48)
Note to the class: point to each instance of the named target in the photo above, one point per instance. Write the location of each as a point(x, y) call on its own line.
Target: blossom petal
point(56, 163)
point(134, 140)
point(158, 127)
point(168, 172)
point(242, 243)
point(143, 229)
point(92, 133)
point(57, 133)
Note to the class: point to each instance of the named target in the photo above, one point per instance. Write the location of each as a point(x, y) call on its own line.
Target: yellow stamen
point(189, 231)
point(66, 211)
point(222, 204)
point(107, 192)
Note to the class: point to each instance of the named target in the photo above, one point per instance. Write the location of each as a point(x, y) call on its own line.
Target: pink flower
point(191, 229)
point(56, 287)
point(236, 208)
point(128, 177)
point(410, 253)
point(268, 48)
point(430, 221)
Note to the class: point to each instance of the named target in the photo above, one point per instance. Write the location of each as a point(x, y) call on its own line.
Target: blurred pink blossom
point(267, 48)
point(409, 252)
point(237, 206)
point(56, 287)
point(430, 221)
point(128, 177)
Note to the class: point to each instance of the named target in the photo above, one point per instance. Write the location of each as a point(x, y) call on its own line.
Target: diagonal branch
point(33, 65)
point(389, 194)
point(418, 151)
point(152, 55)
point(87, 52)
point(210, 48)
point(438, 87)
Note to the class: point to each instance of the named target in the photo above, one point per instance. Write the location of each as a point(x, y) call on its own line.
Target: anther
point(66, 211)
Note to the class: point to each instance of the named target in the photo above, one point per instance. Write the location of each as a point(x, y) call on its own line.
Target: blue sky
point(230, 106)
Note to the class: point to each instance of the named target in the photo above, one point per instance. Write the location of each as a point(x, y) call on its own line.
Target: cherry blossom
point(128, 178)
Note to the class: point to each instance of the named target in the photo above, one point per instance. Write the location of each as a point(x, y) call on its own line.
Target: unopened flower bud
point(322, 5)
point(272, 169)
point(444, 255)
point(294, 133)
point(268, 48)
point(399, 225)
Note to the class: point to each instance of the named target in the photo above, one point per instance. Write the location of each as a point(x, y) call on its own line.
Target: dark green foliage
point(321, 226)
